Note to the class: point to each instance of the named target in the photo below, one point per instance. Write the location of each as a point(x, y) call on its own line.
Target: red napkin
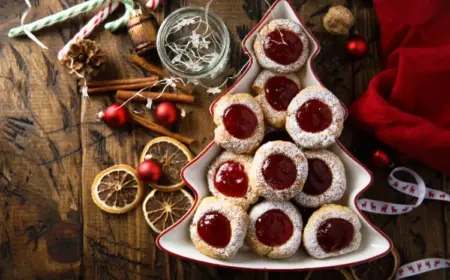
point(407, 106)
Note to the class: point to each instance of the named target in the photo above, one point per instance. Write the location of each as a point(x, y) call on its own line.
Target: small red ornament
point(380, 158)
point(357, 46)
point(149, 171)
point(166, 113)
point(115, 115)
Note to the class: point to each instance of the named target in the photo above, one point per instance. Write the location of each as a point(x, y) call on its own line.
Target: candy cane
point(64, 15)
point(106, 10)
point(420, 191)
point(153, 4)
point(122, 21)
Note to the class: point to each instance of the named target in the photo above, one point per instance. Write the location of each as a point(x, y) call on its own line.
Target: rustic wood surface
point(51, 148)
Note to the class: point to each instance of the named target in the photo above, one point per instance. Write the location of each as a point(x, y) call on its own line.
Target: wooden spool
point(143, 30)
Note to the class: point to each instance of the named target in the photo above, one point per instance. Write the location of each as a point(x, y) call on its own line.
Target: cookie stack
point(260, 183)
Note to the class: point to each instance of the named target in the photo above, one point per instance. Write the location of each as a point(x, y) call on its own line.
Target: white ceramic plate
point(176, 241)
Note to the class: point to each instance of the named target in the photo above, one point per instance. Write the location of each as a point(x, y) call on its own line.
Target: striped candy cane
point(153, 4)
point(106, 10)
point(122, 21)
point(64, 15)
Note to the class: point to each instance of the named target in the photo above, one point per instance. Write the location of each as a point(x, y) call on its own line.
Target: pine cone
point(84, 57)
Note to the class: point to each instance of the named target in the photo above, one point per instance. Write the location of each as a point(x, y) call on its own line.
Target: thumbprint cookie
point(331, 231)
point(279, 170)
point(315, 118)
point(275, 92)
point(240, 123)
point(228, 179)
point(326, 180)
point(281, 46)
point(218, 229)
point(275, 229)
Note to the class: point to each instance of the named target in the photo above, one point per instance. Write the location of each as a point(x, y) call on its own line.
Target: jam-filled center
point(240, 121)
point(335, 234)
point(274, 228)
point(319, 177)
point(283, 46)
point(314, 116)
point(215, 229)
point(231, 179)
point(279, 171)
point(280, 91)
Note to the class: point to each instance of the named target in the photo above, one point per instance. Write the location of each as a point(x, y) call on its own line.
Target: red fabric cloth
point(407, 106)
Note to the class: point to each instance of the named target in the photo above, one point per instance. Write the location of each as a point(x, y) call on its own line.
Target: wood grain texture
point(40, 158)
point(51, 148)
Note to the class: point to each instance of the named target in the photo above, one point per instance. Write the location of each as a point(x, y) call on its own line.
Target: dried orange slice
point(163, 209)
point(382, 268)
point(117, 189)
point(173, 156)
point(335, 274)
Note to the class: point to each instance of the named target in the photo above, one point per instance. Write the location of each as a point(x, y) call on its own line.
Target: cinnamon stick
point(118, 82)
point(119, 87)
point(157, 71)
point(165, 96)
point(160, 129)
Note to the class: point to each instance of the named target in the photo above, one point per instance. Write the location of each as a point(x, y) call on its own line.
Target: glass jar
point(191, 49)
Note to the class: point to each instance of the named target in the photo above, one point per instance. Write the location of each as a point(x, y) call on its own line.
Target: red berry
point(166, 113)
point(115, 115)
point(149, 171)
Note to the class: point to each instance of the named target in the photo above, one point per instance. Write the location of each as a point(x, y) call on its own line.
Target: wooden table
point(51, 147)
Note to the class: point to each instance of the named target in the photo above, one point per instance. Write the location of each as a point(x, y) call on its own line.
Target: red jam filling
point(274, 228)
point(319, 177)
point(284, 47)
point(280, 91)
point(314, 116)
point(240, 121)
point(231, 179)
point(279, 171)
point(215, 229)
point(335, 234)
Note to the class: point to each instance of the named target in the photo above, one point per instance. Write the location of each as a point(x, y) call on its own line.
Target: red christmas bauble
point(380, 158)
point(166, 113)
point(115, 115)
point(357, 46)
point(149, 171)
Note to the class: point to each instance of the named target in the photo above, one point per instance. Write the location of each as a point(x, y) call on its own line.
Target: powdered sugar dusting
point(289, 150)
point(261, 40)
point(291, 246)
point(252, 193)
point(326, 212)
point(273, 117)
point(323, 138)
point(338, 183)
point(239, 221)
point(227, 141)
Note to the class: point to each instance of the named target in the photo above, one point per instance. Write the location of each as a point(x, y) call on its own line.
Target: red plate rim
point(212, 143)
